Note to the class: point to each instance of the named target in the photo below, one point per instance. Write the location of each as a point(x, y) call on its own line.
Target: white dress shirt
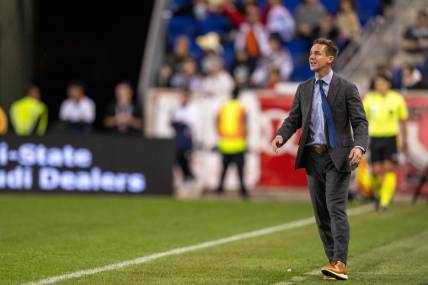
point(77, 111)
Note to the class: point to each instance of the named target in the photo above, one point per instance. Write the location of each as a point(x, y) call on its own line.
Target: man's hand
point(276, 143)
point(123, 119)
point(355, 156)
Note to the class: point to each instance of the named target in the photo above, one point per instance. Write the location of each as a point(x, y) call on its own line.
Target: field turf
point(43, 236)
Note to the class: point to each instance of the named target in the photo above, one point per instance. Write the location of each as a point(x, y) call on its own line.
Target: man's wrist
point(360, 147)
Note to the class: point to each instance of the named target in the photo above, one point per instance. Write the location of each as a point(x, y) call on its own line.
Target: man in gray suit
point(334, 139)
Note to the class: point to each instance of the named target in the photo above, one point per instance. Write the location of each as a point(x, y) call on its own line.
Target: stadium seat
point(180, 25)
point(331, 5)
point(214, 23)
point(367, 9)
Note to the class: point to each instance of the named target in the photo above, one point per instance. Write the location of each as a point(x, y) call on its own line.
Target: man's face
point(326, 22)
point(274, 45)
point(318, 57)
point(75, 92)
point(189, 67)
point(182, 46)
point(422, 20)
point(252, 16)
point(34, 92)
point(185, 97)
point(123, 94)
point(382, 85)
point(274, 2)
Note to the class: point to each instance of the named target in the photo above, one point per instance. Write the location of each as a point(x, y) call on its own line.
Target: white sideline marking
point(181, 250)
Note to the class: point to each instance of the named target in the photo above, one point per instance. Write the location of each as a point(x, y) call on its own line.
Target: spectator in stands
point(196, 8)
point(235, 10)
point(242, 69)
point(348, 22)
point(78, 111)
point(3, 122)
point(183, 121)
point(180, 53)
point(327, 29)
point(277, 58)
point(164, 76)
point(384, 6)
point(215, 6)
point(252, 36)
point(173, 62)
point(308, 15)
point(274, 78)
point(212, 48)
point(415, 39)
point(209, 59)
point(411, 78)
point(29, 115)
point(217, 81)
point(232, 12)
point(188, 77)
point(279, 20)
point(123, 116)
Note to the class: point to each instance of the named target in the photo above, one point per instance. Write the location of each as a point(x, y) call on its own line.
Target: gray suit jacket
point(348, 112)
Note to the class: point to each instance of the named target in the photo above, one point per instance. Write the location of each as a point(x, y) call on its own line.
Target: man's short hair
point(332, 49)
point(31, 87)
point(125, 82)
point(422, 13)
point(235, 92)
point(385, 76)
point(77, 83)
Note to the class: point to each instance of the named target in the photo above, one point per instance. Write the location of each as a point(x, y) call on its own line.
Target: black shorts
point(383, 149)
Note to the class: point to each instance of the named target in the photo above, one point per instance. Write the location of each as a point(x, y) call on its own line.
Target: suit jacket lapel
point(333, 90)
point(308, 94)
point(309, 90)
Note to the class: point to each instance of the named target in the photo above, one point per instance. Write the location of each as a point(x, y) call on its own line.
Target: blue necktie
point(331, 130)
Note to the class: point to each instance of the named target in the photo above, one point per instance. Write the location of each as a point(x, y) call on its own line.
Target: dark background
point(97, 42)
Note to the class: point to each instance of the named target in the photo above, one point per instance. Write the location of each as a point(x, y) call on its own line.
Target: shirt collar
point(327, 79)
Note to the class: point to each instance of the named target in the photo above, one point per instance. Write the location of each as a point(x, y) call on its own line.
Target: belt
point(318, 148)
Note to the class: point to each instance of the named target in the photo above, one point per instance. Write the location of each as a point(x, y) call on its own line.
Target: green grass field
point(45, 236)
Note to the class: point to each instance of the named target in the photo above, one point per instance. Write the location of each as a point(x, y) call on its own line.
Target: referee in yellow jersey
point(387, 114)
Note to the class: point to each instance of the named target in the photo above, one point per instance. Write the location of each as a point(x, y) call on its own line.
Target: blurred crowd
point(29, 115)
point(413, 73)
point(259, 35)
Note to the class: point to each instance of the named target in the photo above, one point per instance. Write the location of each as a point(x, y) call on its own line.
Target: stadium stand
point(195, 18)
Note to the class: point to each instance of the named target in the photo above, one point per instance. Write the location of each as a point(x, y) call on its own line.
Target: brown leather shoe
point(327, 266)
point(337, 270)
point(325, 277)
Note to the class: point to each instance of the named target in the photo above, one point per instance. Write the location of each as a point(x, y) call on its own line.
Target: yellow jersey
point(384, 113)
point(232, 128)
point(29, 115)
